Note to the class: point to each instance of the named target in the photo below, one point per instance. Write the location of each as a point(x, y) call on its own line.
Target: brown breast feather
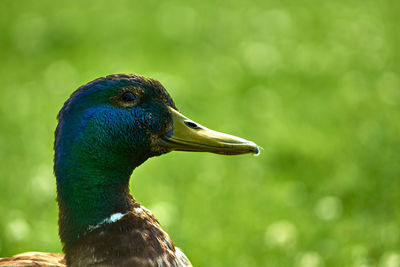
point(134, 240)
point(34, 259)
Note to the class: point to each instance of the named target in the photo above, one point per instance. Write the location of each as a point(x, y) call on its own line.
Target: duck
point(106, 129)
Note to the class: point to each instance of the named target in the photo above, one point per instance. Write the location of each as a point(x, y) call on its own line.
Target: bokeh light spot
point(309, 259)
point(261, 57)
point(166, 212)
point(18, 229)
point(328, 208)
point(281, 234)
point(390, 259)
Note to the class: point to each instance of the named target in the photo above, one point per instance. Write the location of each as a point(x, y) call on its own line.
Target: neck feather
point(88, 195)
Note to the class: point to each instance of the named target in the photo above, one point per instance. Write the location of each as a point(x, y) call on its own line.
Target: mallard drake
point(105, 130)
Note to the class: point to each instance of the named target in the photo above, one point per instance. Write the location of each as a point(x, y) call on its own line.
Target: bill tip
point(258, 151)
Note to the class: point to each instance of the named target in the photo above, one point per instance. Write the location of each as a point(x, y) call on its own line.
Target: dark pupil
point(128, 97)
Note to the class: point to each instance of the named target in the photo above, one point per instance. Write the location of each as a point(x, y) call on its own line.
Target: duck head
point(125, 119)
point(107, 128)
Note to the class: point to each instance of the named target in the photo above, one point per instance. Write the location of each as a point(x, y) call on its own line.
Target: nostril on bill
point(191, 124)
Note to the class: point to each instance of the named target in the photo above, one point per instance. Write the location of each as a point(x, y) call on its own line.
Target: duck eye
point(128, 96)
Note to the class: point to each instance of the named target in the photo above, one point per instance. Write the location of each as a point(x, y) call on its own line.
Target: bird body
point(105, 130)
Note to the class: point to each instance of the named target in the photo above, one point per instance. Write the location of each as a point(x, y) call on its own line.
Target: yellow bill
point(187, 135)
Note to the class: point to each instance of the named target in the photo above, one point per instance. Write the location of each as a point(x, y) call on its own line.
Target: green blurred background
point(316, 83)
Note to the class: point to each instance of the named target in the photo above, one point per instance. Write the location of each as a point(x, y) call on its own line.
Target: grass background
point(316, 83)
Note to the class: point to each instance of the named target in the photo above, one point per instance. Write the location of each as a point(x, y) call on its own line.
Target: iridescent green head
point(114, 121)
